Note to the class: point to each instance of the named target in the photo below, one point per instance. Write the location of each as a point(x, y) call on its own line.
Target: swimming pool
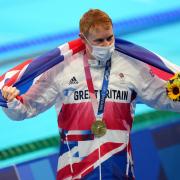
point(27, 21)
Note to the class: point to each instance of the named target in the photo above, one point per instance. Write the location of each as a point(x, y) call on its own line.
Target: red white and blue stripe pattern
point(23, 75)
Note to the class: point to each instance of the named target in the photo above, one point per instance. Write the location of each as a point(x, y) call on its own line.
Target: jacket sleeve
point(151, 91)
point(41, 96)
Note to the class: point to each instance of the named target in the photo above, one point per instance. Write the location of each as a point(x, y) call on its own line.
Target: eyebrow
point(102, 39)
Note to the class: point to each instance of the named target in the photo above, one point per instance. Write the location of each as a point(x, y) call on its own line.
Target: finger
point(5, 91)
point(11, 92)
point(14, 95)
point(17, 92)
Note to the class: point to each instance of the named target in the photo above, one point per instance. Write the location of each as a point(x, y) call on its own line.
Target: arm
point(151, 91)
point(41, 96)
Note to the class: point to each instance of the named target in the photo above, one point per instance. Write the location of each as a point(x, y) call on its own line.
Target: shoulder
point(68, 62)
point(136, 70)
point(130, 63)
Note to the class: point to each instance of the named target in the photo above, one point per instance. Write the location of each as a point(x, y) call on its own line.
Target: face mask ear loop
point(86, 39)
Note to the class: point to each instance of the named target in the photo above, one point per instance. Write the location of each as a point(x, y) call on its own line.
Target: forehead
point(100, 31)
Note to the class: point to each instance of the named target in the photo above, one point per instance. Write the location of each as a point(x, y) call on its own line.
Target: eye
point(99, 40)
point(109, 38)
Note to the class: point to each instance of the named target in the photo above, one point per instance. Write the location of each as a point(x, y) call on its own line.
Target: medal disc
point(99, 128)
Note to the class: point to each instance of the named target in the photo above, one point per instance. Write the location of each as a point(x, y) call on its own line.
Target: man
point(95, 93)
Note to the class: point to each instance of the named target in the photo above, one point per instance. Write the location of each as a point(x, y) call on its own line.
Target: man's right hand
point(9, 93)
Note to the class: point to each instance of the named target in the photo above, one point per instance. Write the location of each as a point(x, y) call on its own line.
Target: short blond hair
point(93, 18)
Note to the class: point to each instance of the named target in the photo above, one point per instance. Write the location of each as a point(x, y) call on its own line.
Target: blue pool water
point(24, 20)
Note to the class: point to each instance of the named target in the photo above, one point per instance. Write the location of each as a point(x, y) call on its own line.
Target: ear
point(82, 37)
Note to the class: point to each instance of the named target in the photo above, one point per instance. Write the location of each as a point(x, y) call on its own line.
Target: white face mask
point(101, 53)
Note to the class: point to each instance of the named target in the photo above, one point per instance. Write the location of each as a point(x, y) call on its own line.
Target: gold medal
point(99, 128)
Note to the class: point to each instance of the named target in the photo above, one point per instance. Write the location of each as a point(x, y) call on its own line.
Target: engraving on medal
point(99, 128)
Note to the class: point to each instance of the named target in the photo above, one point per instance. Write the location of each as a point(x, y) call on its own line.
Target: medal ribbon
point(99, 110)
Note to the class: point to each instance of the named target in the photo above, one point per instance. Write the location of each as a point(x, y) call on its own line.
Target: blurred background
point(30, 28)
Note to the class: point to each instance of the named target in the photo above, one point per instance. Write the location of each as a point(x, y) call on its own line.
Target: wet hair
point(93, 18)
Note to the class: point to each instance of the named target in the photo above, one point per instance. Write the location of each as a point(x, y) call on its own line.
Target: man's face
point(99, 36)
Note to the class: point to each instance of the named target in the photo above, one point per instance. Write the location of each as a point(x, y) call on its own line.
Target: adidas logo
point(73, 81)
